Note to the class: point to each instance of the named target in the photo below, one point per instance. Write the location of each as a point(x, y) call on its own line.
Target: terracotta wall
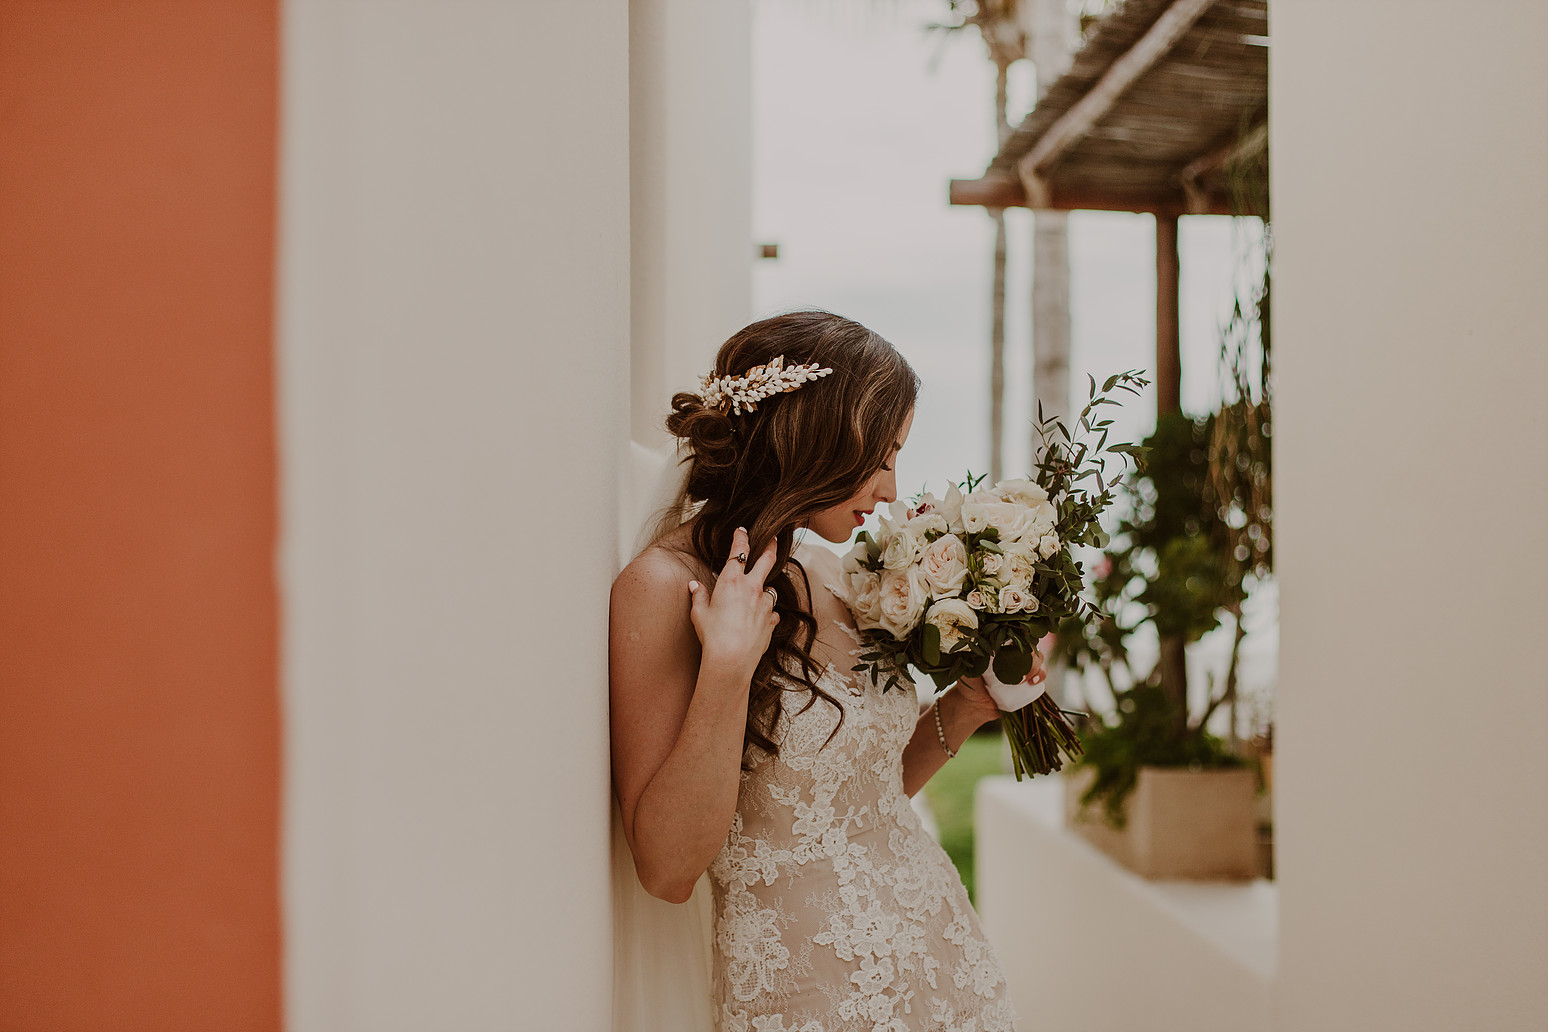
point(138, 707)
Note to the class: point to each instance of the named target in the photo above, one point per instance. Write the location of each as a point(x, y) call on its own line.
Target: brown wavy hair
point(797, 453)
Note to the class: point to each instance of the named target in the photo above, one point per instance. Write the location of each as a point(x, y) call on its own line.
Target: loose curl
point(770, 469)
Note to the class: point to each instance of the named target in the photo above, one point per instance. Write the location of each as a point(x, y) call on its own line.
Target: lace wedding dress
point(834, 908)
point(829, 908)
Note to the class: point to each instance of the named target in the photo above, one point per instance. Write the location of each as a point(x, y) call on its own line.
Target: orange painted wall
point(139, 707)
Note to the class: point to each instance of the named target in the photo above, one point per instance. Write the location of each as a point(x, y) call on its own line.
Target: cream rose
point(944, 565)
point(951, 616)
point(977, 599)
point(975, 510)
point(1019, 558)
point(1044, 516)
point(1014, 520)
point(902, 548)
point(904, 595)
point(1024, 491)
point(861, 591)
point(949, 508)
point(1015, 600)
point(926, 522)
point(1047, 545)
point(991, 562)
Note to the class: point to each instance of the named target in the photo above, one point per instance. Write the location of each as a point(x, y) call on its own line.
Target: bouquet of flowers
point(966, 585)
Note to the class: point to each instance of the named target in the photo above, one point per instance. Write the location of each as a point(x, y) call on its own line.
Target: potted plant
point(1156, 788)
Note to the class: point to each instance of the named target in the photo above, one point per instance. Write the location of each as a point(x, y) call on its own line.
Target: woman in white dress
point(744, 745)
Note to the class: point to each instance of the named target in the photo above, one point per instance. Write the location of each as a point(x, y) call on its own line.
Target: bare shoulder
point(654, 581)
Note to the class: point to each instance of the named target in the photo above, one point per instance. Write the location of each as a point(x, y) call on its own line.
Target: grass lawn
point(950, 793)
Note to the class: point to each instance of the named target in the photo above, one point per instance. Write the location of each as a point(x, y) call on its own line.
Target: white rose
point(1019, 559)
point(951, 616)
point(1024, 491)
point(991, 562)
point(976, 599)
point(949, 508)
point(1047, 545)
point(1014, 600)
point(944, 565)
point(1044, 516)
point(975, 511)
point(855, 558)
point(861, 591)
point(904, 594)
point(902, 548)
point(928, 521)
point(1015, 521)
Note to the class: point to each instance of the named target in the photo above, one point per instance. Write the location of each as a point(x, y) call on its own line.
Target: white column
point(454, 362)
point(1410, 144)
point(690, 116)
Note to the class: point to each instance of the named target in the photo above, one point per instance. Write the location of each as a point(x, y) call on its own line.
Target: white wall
point(454, 327)
point(691, 147)
point(1410, 149)
point(1089, 946)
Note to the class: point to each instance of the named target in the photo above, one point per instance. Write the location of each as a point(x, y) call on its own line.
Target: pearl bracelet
point(941, 730)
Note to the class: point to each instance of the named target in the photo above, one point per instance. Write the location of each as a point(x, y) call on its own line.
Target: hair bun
point(712, 436)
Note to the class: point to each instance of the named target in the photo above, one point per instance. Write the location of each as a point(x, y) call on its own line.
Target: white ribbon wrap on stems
point(1012, 697)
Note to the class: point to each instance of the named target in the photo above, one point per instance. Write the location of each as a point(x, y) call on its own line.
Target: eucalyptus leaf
point(1012, 665)
point(931, 641)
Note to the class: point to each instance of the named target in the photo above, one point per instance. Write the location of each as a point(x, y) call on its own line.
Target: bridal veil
point(661, 951)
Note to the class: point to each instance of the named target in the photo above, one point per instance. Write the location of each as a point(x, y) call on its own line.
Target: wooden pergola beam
point(1008, 193)
point(1076, 123)
point(1251, 142)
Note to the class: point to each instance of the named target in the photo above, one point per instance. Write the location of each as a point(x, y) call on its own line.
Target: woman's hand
point(737, 620)
point(975, 695)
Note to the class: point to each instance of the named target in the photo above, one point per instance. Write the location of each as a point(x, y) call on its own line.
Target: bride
point(761, 785)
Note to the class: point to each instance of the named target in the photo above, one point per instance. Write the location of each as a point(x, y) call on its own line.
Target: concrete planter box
point(1198, 824)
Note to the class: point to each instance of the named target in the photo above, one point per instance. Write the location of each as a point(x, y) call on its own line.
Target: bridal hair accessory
point(745, 391)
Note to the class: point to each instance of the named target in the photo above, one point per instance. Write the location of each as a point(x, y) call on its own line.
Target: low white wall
point(1410, 149)
point(1089, 946)
point(454, 325)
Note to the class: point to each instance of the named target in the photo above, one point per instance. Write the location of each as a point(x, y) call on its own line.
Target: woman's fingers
point(1039, 672)
point(765, 563)
point(738, 547)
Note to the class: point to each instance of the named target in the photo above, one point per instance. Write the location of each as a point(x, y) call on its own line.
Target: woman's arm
point(964, 709)
point(679, 713)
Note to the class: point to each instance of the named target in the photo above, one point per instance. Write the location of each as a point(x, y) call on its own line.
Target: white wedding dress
point(835, 911)
point(830, 908)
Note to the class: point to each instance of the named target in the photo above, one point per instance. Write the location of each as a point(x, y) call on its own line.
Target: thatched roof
point(1164, 106)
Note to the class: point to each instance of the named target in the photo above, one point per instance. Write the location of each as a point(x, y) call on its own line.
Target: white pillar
point(1409, 143)
point(454, 362)
point(690, 115)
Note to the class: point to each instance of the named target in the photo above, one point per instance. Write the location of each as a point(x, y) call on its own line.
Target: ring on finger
point(771, 591)
point(740, 557)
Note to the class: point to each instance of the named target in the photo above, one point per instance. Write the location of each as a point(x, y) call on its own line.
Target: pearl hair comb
point(745, 391)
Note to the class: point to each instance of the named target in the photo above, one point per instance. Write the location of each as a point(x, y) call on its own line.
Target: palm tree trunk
point(997, 354)
point(1173, 666)
point(997, 318)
